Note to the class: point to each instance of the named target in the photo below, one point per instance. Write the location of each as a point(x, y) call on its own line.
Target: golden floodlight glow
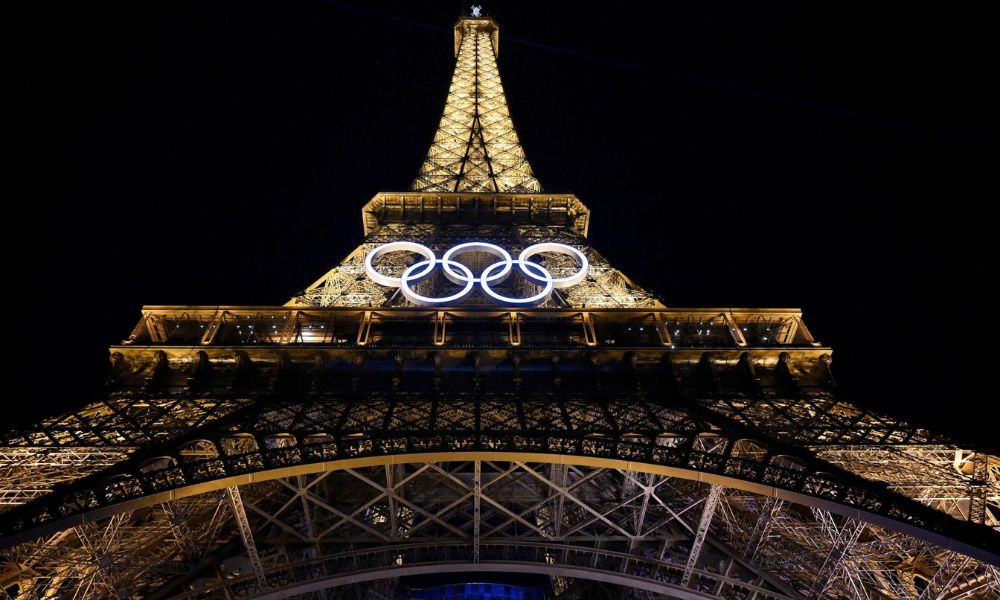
point(476, 148)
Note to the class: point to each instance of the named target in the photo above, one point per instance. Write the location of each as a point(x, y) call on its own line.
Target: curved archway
point(296, 468)
point(554, 560)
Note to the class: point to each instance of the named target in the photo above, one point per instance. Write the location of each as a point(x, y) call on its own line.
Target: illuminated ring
point(460, 274)
point(409, 294)
point(461, 249)
point(543, 277)
point(560, 282)
point(398, 247)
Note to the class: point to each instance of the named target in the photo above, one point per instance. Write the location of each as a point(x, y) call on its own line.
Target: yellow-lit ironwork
point(476, 148)
point(327, 447)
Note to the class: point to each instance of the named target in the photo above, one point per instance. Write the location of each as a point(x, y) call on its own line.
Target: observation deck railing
point(471, 327)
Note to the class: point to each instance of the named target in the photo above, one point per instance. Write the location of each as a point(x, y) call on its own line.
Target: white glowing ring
point(496, 251)
point(495, 272)
point(543, 277)
point(560, 282)
point(397, 247)
point(409, 294)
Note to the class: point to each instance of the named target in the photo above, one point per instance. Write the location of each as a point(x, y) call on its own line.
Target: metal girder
point(707, 512)
point(246, 533)
point(27, 473)
point(181, 530)
point(980, 486)
point(280, 437)
point(762, 526)
point(844, 539)
point(505, 492)
point(476, 511)
point(347, 516)
point(101, 556)
point(944, 578)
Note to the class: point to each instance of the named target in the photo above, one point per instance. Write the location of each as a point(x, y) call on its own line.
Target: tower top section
point(476, 148)
point(471, 25)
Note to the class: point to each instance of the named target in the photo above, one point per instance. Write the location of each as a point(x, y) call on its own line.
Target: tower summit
point(476, 148)
point(475, 392)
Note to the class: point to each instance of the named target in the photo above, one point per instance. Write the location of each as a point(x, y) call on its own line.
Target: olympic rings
point(462, 275)
point(395, 247)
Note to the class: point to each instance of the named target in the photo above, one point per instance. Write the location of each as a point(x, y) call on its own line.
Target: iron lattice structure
point(476, 148)
point(338, 444)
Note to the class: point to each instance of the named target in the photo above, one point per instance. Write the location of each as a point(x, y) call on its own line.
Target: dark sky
point(836, 157)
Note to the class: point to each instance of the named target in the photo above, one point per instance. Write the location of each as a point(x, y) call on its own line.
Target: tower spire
point(476, 148)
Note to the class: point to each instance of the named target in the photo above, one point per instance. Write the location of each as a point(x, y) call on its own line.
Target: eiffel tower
point(434, 406)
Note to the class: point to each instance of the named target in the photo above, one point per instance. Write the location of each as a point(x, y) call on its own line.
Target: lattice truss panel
point(347, 284)
point(476, 148)
point(960, 482)
point(68, 447)
point(650, 532)
point(956, 481)
point(652, 529)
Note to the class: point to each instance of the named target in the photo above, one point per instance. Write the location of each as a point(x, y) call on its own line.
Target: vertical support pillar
point(393, 510)
point(364, 328)
point(316, 551)
point(240, 514)
point(640, 520)
point(560, 473)
point(514, 321)
point(477, 496)
point(978, 488)
point(699, 537)
point(440, 327)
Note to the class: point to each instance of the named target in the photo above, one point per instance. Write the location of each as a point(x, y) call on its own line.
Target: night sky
point(839, 158)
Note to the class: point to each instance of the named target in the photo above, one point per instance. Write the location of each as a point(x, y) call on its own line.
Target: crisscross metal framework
point(476, 148)
point(346, 454)
point(337, 445)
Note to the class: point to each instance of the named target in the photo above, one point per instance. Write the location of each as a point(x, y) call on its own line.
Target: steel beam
point(762, 526)
point(711, 502)
point(843, 541)
point(246, 534)
point(476, 482)
point(945, 577)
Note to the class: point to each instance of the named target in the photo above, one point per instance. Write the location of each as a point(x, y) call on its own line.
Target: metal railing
point(470, 328)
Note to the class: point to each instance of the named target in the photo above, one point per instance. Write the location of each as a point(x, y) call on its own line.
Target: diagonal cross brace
point(240, 514)
point(711, 502)
point(842, 544)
